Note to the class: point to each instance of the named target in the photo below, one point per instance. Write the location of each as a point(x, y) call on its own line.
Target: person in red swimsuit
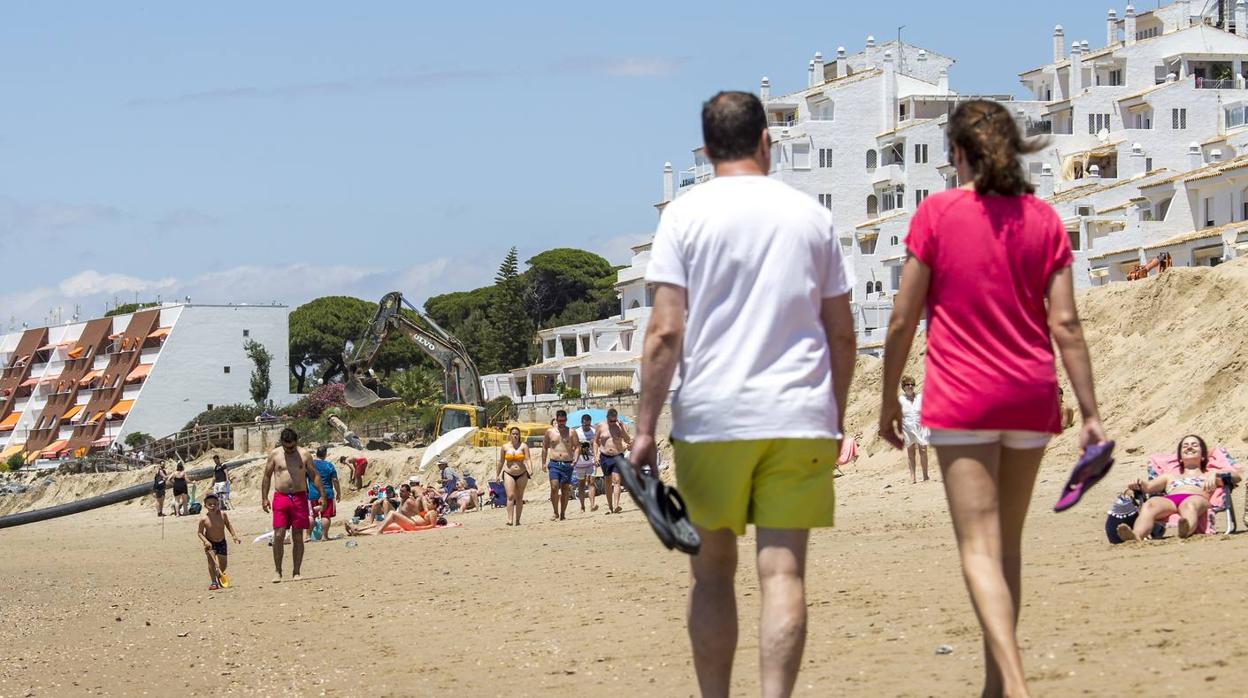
point(990, 263)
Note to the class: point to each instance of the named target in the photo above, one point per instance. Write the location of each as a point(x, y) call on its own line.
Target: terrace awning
point(54, 449)
point(29, 383)
point(90, 376)
point(139, 373)
point(10, 422)
point(102, 442)
point(72, 412)
point(121, 409)
point(160, 333)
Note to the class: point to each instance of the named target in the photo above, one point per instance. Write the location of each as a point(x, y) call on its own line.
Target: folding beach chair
point(498, 495)
point(1221, 508)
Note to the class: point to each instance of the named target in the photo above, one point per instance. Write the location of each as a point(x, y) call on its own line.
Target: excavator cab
point(456, 416)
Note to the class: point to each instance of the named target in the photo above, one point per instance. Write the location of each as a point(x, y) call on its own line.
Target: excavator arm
point(460, 379)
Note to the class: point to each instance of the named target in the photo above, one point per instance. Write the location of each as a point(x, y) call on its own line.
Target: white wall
point(188, 374)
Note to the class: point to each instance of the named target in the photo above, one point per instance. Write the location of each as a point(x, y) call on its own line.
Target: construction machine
point(1161, 263)
point(461, 382)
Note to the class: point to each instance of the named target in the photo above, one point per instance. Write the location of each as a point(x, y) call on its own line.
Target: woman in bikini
point(513, 462)
point(1186, 493)
point(180, 494)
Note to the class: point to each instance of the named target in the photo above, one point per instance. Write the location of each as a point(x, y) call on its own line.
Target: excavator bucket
point(359, 395)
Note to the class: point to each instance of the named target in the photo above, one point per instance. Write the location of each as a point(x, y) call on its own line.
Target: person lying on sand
point(1187, 493)
point(412, 514)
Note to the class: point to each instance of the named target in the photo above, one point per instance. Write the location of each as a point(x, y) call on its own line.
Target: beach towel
point(1219, 460)
point(449, 524)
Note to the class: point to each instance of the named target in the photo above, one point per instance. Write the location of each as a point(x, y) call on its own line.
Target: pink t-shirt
point(989, 354)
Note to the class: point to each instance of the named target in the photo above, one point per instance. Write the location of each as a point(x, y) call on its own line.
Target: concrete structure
point(597, 358)
point(81, 386)
point(1165, 95)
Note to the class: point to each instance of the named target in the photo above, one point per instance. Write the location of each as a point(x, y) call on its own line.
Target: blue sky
point(250, 152)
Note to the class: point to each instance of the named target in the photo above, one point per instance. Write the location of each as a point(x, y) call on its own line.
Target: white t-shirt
point(756, 258)
point(910, 410)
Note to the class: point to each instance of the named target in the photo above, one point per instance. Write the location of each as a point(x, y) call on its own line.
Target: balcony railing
point(1208, 84)
point(1039, 128)
point(781, 123)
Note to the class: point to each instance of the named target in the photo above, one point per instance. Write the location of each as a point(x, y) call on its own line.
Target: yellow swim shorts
point(771, 483)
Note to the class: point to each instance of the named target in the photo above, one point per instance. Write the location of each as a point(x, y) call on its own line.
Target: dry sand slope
point(112, 602)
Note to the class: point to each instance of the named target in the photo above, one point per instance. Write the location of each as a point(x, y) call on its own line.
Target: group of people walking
point(752, 304)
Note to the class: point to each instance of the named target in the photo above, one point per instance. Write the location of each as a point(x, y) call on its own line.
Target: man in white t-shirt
point(752, 303)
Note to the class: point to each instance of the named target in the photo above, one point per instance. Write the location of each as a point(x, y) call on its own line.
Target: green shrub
point(15, 462)
point(137, 439)
point(225, 414)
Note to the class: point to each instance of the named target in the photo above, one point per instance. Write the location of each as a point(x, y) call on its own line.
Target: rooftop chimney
point(1111, 28)
point(1215, 155)
point(1083, 46)
point(810, 74)
point(842, 62)
point(1241, 18)
point(922, 55)
point(871, 41)
point(1128, 26)
point(1136, 162)
point(1094, 172)
point(1076, 70)
point(942, 82)
point(819, 78)
point(1059, 44)
point(1194, 158)
point(889, 99)
point(669, 187)
point(1044, 188)
point(764, 90)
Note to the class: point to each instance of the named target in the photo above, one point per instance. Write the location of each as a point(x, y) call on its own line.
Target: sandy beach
point(115, 601)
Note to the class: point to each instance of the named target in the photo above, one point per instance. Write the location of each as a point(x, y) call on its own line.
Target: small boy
point(212, 525)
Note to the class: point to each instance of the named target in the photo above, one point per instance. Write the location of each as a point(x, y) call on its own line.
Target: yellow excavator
point(461, 381)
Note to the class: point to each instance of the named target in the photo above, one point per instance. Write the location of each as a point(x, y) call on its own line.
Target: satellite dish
point(1103, 135)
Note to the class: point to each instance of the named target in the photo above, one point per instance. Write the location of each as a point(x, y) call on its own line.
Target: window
point(866, 246)
point(1236, 115)
point(1148, 164)
point(901, 112)
point(871, 159)
point(919, 195)
point(821, 111)
point(1208, 212)
point(894, 240)
point(1178, 119)
point(227, 369)
point(1083, 210)
point(1115, 78)
point(894, 154)
point(869, 286)
point(920, 153)
point(801, 156)
point(825, 200)
point(873, 206)
point(879, 287)
point(649, 295)
point(825, 157)
point(1163, 208)
point(246, 333)
point(1142, 120)
point(210, 406)
point(892, 199)
point(1097, 122)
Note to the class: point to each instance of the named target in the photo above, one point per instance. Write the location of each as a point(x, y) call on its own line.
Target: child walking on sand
point(212, 527)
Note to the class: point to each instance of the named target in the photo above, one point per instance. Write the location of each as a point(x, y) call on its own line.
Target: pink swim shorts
point(290, 510)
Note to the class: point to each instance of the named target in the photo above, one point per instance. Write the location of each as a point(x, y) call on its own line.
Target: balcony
point(1210, 84)
point(1039, 128)
point(894, 172)
point(781, 123)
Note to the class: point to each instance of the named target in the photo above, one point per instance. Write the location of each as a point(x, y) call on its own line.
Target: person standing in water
point(914, 434)
point(513, 464)
point(991, 265)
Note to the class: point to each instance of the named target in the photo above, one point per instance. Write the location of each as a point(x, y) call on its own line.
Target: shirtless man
point(610, 442)
point(413, 513)
point(559, 450)
point(292, 467)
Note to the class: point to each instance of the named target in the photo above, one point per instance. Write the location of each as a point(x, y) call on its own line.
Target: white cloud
point(618, 249)
point(93, 283)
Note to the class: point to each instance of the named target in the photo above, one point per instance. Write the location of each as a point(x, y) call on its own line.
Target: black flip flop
point(664, 509)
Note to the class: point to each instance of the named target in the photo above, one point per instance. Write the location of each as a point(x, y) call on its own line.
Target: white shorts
point(1018, 440)
point(221, 489)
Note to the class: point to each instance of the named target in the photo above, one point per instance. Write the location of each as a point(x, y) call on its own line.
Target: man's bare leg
point(555, 490)
point(296, 551)
point(782, 627)
point(593, 493)
point(711, 615)
point(618, 490)
point(279, 543)
point(325, 521)
point(565, 494)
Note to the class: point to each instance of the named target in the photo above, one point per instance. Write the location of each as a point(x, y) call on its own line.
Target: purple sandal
point(1092, 466)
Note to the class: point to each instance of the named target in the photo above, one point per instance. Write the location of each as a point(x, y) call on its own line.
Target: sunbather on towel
point(412, 514)
point(1186, 492)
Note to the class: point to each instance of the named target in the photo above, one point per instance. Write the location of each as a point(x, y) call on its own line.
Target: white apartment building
point(596, 358)
point(78, 387)
point(1164, 95)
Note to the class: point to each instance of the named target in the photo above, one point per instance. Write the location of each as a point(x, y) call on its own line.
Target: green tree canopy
point(321, 328)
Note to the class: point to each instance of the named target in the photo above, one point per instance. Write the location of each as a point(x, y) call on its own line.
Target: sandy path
point(98, 604)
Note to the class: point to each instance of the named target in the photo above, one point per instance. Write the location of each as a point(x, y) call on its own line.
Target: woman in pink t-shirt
point(991, 265)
